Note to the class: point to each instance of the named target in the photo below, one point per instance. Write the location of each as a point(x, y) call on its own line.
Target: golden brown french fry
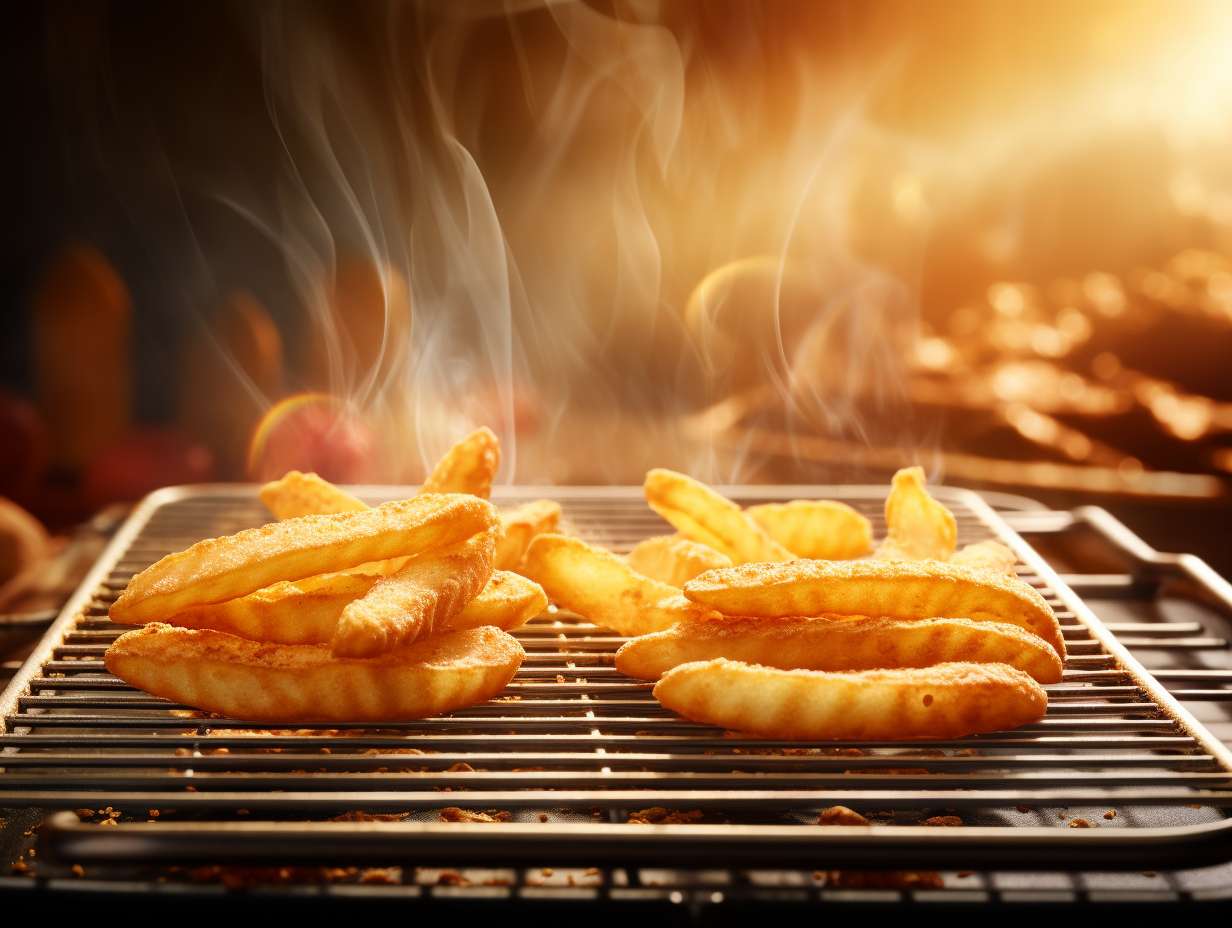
point(220, 569)
point(599, 586)
point(942, 701)
point(519, 525)
point(917, 526)
point(987, 555)
point(703, 515)
point(674, 559)
point(839, 644)
point(895, 589)
point(816, 528)
point(424, 595)
point(298, 494)
point(243, 679)
point(467, 467)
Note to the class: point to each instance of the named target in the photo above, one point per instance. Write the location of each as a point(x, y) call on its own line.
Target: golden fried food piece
point(307, 611)
point(894, 589)
point(917, 526)
point(987, 555)
point(220, 569)
point(601, 587)
point(298, 494)
point(674, 559)
point(839, 643)
point(467, 467)
point(701, 514)
point(942, 701)
point(244, 679)
point(413, 603)
point(816, 528)
point(521, 524)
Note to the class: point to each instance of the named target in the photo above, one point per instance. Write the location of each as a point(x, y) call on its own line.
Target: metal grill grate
point(572, 748)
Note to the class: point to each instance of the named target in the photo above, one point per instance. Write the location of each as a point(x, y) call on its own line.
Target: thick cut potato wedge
point(816, 528)
point(673, 559)
point(468, 467)
point(297, 494)
point(894, 589)
point(838, 644)
point(244, 679)
point(917, 526)
point(942, 701)
point(520, 525)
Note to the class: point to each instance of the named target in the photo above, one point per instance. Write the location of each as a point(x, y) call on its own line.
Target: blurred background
point(760, 242)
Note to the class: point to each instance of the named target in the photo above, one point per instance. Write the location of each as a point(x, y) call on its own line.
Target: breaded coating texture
point(987, 555)
point(818, 528)
point(674, 559)
point(244, 679)
point(470, 466)
point(519, 525)
point(942, 701)
point(297, 494)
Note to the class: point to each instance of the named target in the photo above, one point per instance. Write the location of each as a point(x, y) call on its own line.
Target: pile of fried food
point(776, 621)
point(339, 611)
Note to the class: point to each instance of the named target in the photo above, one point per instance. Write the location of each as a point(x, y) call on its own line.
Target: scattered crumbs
point(841, 815)
point(657, 815)
point(451, 878)
point(358, 815)
point(547, 871)
point(1080, 823)
point(460, 767)
point(1062, 816)
point(943, 821)
point(543, 816)
point(884, 879)
point(592, 871)
point(84, 813)
point(819, 875)
point(1110, 814)
point(1023, 809)
point(560, 678)
point(154, 813)
point(492, 816)
point(384, 876)
point(77, 870)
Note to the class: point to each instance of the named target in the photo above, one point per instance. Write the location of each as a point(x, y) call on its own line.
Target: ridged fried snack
point(243, 679)
point(298, 494)
point(467, 467)
point(917, 526)
point(674, 559)
point(839, 643)
point(520, 525)
point(894, 589)
point(601, 587)
point(307, 612)
point(987, 555)
point(816, 528)
point(699, 513)
point(219, 569)
point(942, 701)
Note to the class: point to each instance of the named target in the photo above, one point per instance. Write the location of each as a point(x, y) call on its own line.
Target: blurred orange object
point(24, 545)
point(81, 320)
point(311, 432)
point(23, 436)
point(143, 461)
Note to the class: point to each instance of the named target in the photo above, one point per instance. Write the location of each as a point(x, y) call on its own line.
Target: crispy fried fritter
point(426, 594)
point(816, 528)
point(674, 559)
point(699, 513)
point(220, 569)
point(600, 586)
point(942, 701)
point(243, 679)
point(917, 526)
point(839, 643)
point(987, 555)
point(467, 467)
point(520, 525)
point(894, 589)
point(298, 494)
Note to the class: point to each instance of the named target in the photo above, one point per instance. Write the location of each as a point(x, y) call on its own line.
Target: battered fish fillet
point(894, 589)
point(298, 494)
point(242, 679)
point(701, 514)
point(467, 467)
point(816, 528)
point(942, 701)
point(601, 587)
point(987, 555)
point(423, 596)
point(521, 524)
point(674, 559)
point(917, 526)
point(307, 612)
point(839, 643)
point(220, 569)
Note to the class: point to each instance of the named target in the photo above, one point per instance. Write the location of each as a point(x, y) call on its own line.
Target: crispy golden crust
point(673, 559)
point(601, 587)
point(467, 467)
point(839, 643)
point(703, 515)
point(895, 589)
point(917, 526)
point(943, 701)
point(521, 524)
point(818, 528)
point(298, 494)
point(307, 612)
point(987, 555)
point(243, 679)
point(422, 597)
point(219, 569)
